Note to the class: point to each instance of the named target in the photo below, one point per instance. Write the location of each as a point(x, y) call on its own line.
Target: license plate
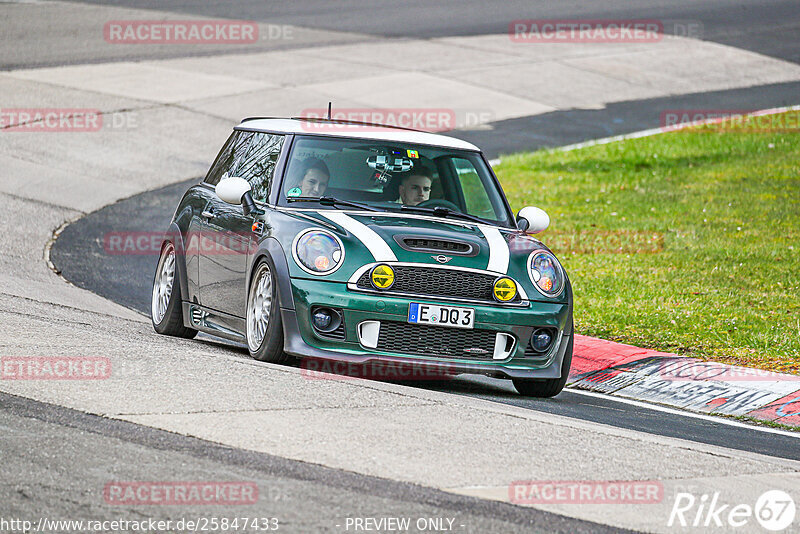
point(441, 315)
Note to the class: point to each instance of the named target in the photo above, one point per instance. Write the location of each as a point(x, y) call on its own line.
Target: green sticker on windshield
point(294, 192)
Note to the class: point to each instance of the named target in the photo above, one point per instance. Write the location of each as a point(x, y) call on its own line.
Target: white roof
point(338, 129)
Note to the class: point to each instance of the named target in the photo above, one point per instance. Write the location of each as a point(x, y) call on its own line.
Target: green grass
point(685, 242)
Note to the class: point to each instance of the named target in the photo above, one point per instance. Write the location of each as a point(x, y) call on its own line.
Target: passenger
point(415, 187)
point(313, 179)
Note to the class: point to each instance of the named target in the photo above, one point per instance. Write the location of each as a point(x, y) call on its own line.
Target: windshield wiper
point(440, 211)
point(332, 201)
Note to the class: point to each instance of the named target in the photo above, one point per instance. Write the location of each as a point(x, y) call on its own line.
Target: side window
point(475, 194)
point(258, 163)
point(230, 153)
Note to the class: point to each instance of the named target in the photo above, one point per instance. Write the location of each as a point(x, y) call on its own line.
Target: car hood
point(426, 240)
point(385, 237)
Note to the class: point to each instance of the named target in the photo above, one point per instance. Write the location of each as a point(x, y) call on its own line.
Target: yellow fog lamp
point(382, 276)
point(505, 289)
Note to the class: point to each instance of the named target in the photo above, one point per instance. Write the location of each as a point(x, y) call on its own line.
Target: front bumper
point(302, 340)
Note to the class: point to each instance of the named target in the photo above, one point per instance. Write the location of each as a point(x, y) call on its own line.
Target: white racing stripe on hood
point(498, 249)
point(374, 243)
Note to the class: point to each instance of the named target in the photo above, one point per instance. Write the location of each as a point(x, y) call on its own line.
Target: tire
point(548, 387)
point(264, 329)
point(166, 311)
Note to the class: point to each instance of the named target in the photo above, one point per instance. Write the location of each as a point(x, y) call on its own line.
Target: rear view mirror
point(390, 163)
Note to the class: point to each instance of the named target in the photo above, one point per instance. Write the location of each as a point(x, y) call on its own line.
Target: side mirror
point(235, 190)
point(232, 189)
point(532, 220)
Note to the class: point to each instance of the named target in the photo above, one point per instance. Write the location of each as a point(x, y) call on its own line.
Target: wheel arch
point(271, 249)
point(175, 236)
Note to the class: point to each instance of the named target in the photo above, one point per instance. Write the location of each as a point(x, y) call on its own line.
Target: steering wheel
point(438, 203)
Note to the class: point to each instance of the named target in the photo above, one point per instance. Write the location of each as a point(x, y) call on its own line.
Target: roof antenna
point(329, 111)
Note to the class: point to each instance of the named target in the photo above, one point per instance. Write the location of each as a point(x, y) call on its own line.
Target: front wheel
point(165, 303)
point(264, 328)
point(548, 387)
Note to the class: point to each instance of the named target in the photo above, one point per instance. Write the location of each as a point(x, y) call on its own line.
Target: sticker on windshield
point(294, 192)
point(412, 153)
point(390, 164)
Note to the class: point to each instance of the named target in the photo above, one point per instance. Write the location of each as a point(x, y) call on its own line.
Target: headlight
point(318, 251)
point(545, 273)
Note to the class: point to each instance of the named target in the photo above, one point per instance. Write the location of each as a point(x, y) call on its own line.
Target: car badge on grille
point(476, 350)
point(441, 258)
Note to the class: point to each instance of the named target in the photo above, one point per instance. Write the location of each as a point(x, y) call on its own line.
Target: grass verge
point(686, 241)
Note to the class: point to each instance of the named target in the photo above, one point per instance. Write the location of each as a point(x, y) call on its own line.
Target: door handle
point(208, 214)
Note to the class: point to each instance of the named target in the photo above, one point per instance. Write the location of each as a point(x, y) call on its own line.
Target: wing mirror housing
point(235, 190)
point(532, 220)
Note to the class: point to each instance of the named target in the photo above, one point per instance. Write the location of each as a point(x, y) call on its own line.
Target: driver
point(314, 177)
point(415, 187)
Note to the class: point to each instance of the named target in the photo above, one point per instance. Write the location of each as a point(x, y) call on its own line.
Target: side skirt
point(213, 322)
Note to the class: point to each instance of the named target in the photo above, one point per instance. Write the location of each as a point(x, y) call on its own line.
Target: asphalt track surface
point(126, 279)
point(303, 497)
point(769, 27)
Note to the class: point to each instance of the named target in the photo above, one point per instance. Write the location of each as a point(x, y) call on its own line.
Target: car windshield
point(392, 176)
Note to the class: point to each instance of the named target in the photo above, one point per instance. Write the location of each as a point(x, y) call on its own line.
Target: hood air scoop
point(436, 245)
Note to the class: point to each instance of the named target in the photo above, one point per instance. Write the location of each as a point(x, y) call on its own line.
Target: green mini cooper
point(337, 241)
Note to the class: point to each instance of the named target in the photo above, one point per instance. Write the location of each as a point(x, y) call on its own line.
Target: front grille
point(433, 282)
point(436, 245)
point(436, 341)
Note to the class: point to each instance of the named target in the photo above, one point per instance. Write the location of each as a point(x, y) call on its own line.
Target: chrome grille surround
point(457, 284)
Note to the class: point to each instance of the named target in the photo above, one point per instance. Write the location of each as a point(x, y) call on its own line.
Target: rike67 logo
point(774, 510)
